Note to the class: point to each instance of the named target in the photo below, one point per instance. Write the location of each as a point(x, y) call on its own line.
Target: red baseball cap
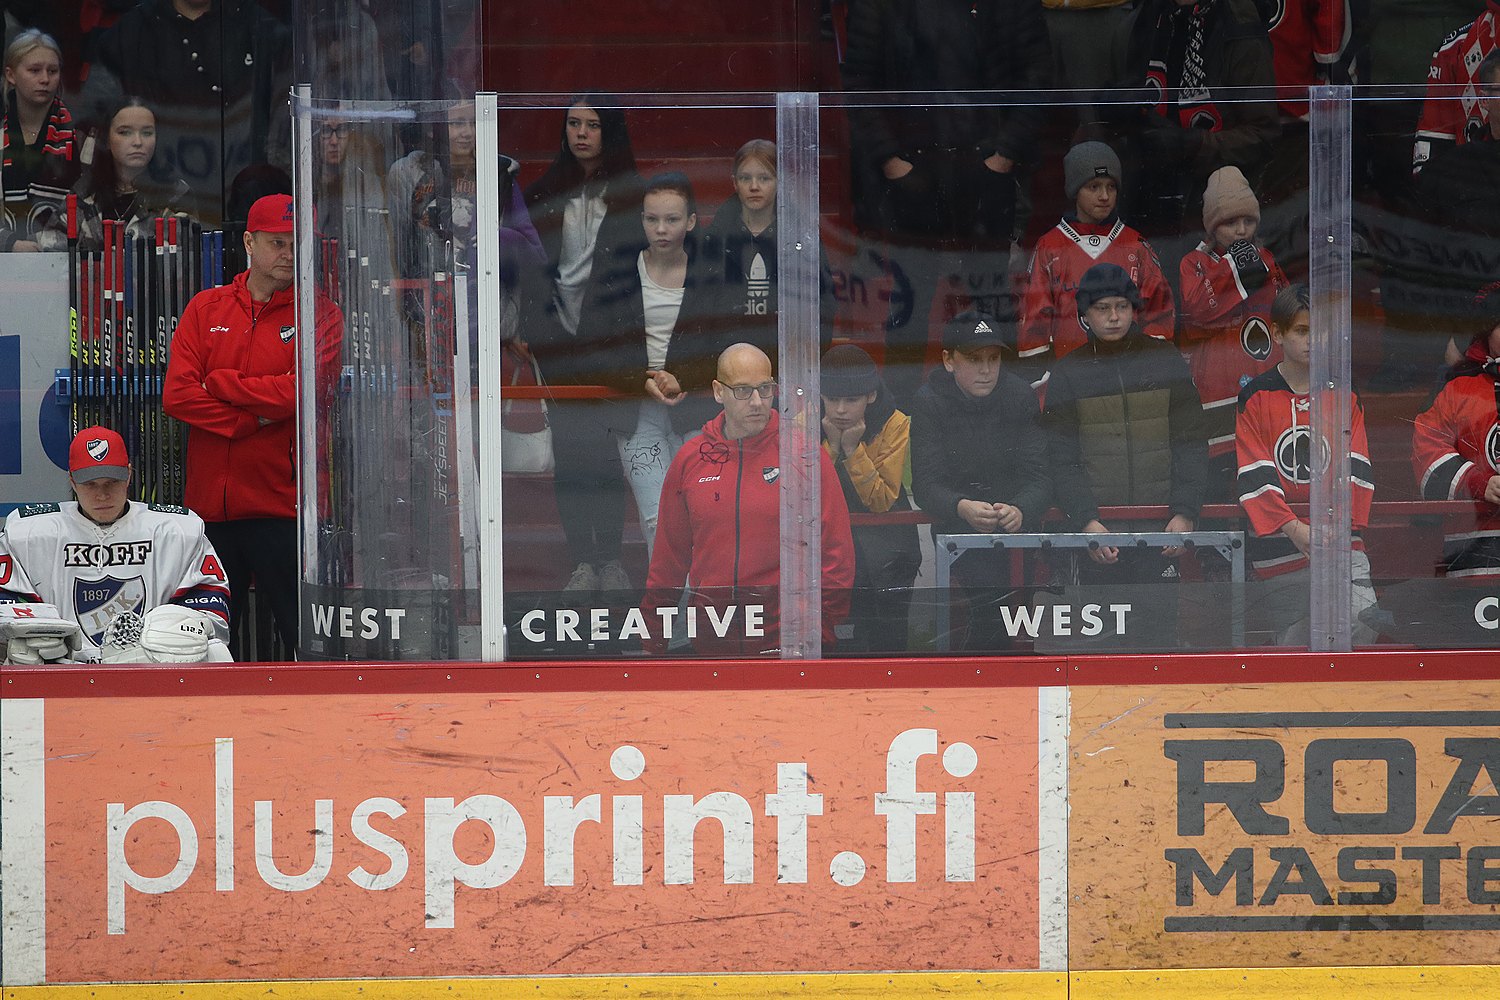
point(98, 453)
point(271, 214)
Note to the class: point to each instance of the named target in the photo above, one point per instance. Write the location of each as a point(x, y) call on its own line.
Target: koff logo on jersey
point(112, 554)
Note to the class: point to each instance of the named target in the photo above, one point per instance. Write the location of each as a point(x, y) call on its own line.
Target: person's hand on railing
point(1009, 517)
point(662, 386)
point(1300, 534)
point(1176, 524)
point(1104, 555)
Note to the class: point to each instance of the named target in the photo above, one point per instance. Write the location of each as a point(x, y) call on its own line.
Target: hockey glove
point(34, 634)
point(1248, 264)
point(168, 633)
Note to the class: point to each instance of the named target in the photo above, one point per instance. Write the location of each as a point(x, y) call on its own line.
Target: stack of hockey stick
point(125, 298)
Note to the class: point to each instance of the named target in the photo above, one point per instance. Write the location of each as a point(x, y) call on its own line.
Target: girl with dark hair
point(112, 187)
point(40, 158)
point(586, 211)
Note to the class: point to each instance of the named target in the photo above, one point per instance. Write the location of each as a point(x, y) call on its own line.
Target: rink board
point(524, 834)
point(793, 839)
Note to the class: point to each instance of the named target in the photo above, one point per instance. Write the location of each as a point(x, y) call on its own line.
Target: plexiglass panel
point(1055, 302)
point(1426, 252)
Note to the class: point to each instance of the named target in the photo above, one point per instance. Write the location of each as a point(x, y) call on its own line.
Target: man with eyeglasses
point(719, 526)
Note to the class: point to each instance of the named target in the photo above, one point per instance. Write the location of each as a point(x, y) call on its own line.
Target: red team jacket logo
point(1294, 454)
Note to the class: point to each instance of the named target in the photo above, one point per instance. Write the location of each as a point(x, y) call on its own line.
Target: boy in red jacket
point(1455, 447)
point(232, 378)
point(1093, 234)
point(720, 527)
point(1274, 441)
point(1228, 285)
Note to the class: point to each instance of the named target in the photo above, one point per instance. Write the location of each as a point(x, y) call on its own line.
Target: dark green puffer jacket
point(1124, 427)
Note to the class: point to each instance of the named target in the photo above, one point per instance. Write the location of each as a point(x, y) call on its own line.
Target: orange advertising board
point(1284, 825)
point(382, 836)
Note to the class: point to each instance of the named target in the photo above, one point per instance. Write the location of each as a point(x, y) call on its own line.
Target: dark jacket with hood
point(602, 352)
point(966, 448)
point(1125, 428)
point(746, 299)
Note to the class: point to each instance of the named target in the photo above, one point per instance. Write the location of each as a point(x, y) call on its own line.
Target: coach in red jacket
point(720, 526)
point(232, 378)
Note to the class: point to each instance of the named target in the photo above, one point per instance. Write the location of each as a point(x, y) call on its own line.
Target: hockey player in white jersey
point(104, 578)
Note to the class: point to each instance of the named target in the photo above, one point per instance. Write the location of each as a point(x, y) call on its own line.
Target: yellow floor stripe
point(953, 985)
point(1457, 982)
point(1429, 982)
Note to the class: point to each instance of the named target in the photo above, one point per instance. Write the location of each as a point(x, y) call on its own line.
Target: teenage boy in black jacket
point(978, 459)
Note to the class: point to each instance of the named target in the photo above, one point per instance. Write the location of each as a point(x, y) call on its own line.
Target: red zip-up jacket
point(1455, 449)
point(720, 526)
point(232, 378)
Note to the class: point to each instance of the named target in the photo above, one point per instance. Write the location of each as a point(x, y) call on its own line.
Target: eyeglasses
point(766, 390)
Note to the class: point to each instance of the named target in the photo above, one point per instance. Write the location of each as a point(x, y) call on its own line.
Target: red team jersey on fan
point(1226, 334)
point(1310, 43)
point(1459, 117)
point(1455, 449)
point(1273, 440)
point(1050, 308)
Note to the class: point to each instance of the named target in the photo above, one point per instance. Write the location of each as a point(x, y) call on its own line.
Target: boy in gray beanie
point(1093, 234)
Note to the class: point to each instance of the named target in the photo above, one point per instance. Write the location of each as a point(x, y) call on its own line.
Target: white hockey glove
point(34, 634)
point(168, 633)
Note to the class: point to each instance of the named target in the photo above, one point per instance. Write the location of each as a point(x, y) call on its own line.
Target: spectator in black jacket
point(209, 68)
point(942, 179)
point(1124, 428)
point(978, 460)
point(587, 212)
point(1186, 53)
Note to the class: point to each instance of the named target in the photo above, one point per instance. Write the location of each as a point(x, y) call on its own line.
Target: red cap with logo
point(271, 214)
point(97, 453)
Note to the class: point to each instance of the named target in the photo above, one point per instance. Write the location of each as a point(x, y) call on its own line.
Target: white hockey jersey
point(154, 554)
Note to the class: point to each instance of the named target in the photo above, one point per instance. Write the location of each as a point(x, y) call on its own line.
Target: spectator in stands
point(1456, 445)
point(1449, 116)
point(1228, 286)
point(232, 378)
point(1187, 53)
point(1457, 190)
point(40, 159)
point(1273, 440)
point(869, 441)
point(586, 208)
point(940, 182)
point(432, 198)
point(109, 189)
point(721, 522)
point(661, 305)
point(739, 247)
point(1090, 44)
point(978, 461)
point(217, 72)
point(1124, 429)
point(1093, 233)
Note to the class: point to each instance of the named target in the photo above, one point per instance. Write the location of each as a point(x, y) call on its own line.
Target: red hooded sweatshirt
point(720, 526)
point(231, 377)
